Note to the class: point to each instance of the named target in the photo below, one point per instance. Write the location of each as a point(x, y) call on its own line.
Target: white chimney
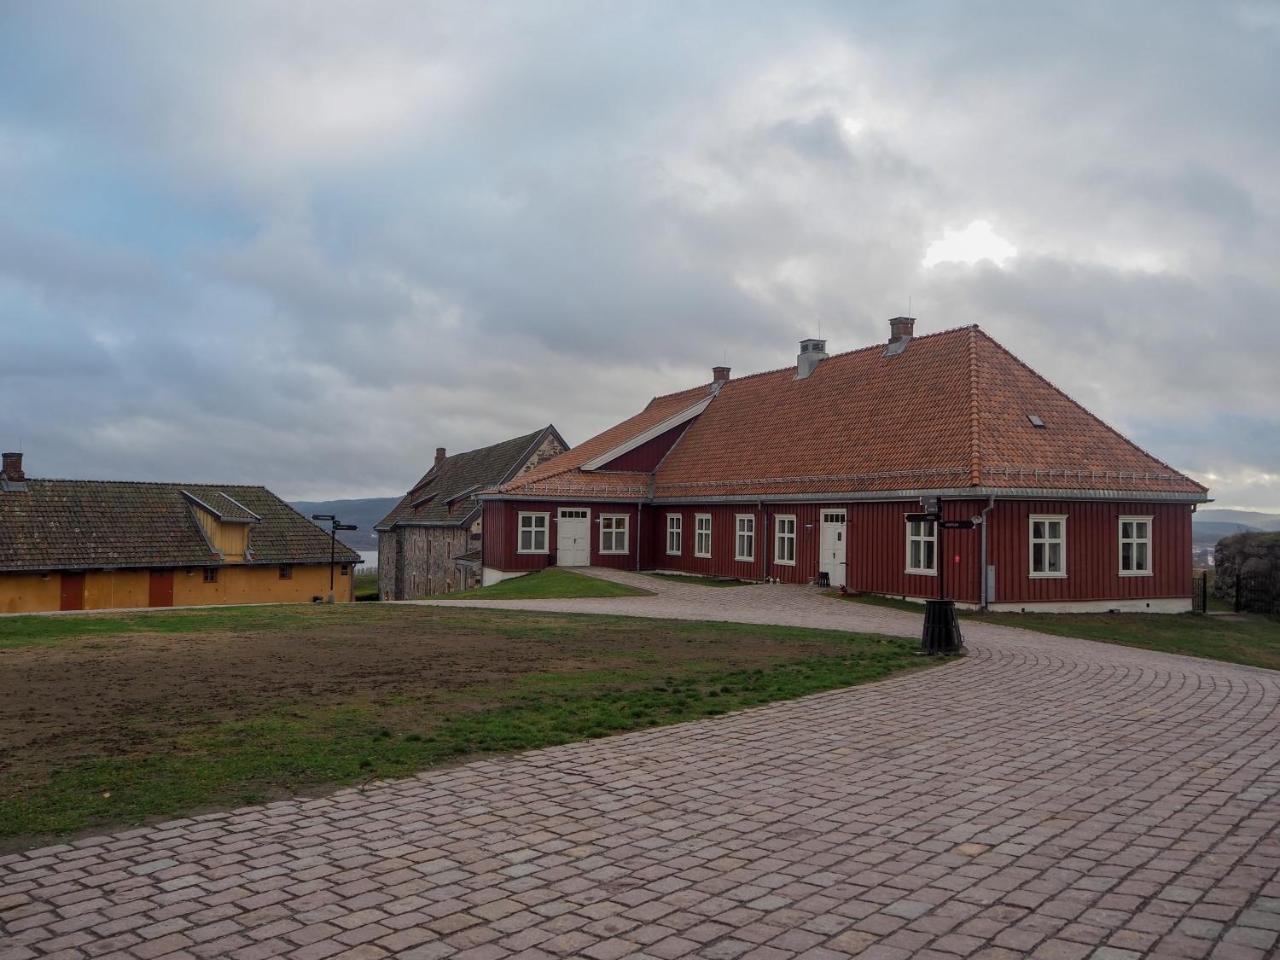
point(812, 353)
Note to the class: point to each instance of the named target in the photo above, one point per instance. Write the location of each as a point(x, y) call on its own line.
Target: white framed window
point(613, 533)
point(702, 534)
point(1048, 545)
point(784, 540)
point(675, 534)
point(1135, 546)
point(922, 547)
point(533, 533)
point(744, 541)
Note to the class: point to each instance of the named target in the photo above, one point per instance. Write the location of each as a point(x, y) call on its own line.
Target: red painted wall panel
point(502, 538)
point(1093, 551)
point(722, 562)
point(878, 551)
point(646, 457)
point(877, 547)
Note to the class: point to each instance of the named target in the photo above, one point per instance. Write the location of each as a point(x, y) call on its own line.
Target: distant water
point(368, 560)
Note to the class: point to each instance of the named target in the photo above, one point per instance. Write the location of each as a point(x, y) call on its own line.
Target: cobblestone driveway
point(1044, 797)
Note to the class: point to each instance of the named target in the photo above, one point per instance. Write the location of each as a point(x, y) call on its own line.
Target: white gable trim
point(657, 430)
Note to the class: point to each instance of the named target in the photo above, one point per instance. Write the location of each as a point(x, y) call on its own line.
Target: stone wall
point(1248, 565)
point(415, 562)
point(551, 447)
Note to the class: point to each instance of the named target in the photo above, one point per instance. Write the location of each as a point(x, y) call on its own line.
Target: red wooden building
point(812, 469)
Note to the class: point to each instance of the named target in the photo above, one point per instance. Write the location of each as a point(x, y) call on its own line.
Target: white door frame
point(836, 569)
point(586, 536)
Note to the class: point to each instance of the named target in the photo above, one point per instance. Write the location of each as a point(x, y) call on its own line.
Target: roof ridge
point(833, 356)
point(975, 456)
point(1087, 412)
point(150, 483)
point(849, 353)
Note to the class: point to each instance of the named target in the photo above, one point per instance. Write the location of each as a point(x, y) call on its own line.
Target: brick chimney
point(439, 455)
point(812, 353)
point(719, 374)
point(12, 466)
point(901, 328)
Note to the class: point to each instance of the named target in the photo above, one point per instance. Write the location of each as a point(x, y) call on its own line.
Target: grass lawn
point(367, 586)
point(1250, 639)
point(553, 583)
point(110, 720)
point(697, 581)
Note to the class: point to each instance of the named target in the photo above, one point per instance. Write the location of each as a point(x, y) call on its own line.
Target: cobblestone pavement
point(1044, 797)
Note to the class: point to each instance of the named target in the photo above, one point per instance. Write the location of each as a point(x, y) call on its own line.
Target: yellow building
point(99, 545)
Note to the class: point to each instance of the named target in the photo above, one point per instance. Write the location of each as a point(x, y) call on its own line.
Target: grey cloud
point(406, 225)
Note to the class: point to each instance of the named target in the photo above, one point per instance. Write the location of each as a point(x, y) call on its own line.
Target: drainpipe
point(639, 527)
point(982, 573)
point(762, 540)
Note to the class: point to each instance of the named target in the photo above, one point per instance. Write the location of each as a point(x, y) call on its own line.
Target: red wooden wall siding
point(722, 562)
point(502, 534)
point(1093, 551)
point(877, 546)
point(878, 551)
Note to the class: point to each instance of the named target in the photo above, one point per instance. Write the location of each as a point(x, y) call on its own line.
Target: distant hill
point(1248, 518)
point(363, 513)
point(1209, 532)
point(1210, 526)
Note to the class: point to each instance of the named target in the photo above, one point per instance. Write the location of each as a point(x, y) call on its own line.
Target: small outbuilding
point(430, 542)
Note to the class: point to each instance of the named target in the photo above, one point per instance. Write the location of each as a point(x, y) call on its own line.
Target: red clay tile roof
point(563, 472)
point(949, 412)
point(92, 524)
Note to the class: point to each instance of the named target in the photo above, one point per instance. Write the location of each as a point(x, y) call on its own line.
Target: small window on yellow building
point(286, 571)
point(345, 570)
point(210, 574)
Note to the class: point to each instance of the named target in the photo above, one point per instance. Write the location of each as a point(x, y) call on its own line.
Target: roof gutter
point(970, 493)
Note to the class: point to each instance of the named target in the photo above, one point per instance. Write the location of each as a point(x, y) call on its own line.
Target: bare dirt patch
point(123, 726)
point(106, 695)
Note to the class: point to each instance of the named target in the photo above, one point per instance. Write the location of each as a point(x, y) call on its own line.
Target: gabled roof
point(222, 507)
point(92, 524)
point(949, 412)
point(444, 495)
point(567, 470)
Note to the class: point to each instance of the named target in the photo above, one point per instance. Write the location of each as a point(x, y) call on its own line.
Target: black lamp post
point(334, 527)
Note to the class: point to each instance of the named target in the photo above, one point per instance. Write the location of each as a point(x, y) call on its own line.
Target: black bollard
point(941, 628)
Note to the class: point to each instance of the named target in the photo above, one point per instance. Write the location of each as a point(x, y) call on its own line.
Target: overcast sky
point(304, 244)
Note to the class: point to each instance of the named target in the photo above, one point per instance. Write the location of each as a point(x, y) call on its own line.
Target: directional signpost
point(334, 527)
point(941, 629)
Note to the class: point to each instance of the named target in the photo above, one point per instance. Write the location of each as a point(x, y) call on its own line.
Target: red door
point(161, 594)
point(72, 592)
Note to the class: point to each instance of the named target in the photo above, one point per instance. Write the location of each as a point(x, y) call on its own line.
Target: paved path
point(1044, 797)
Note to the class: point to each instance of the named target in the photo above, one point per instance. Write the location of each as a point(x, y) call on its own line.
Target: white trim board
point(657, 430)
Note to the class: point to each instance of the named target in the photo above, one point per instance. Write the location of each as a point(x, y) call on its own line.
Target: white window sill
point(1047, 576)
point(703, 556)
point(673, 553)
point(614, 553)
point(744, 559)
point(1137, 573)
point(921, 573)
point(785, 563)
point(533, 553)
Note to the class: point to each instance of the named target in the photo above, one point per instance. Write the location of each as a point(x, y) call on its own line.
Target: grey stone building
point(430, 543)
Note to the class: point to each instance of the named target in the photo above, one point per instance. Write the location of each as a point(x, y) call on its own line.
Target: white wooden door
point(832, 548)
point(573, 538)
